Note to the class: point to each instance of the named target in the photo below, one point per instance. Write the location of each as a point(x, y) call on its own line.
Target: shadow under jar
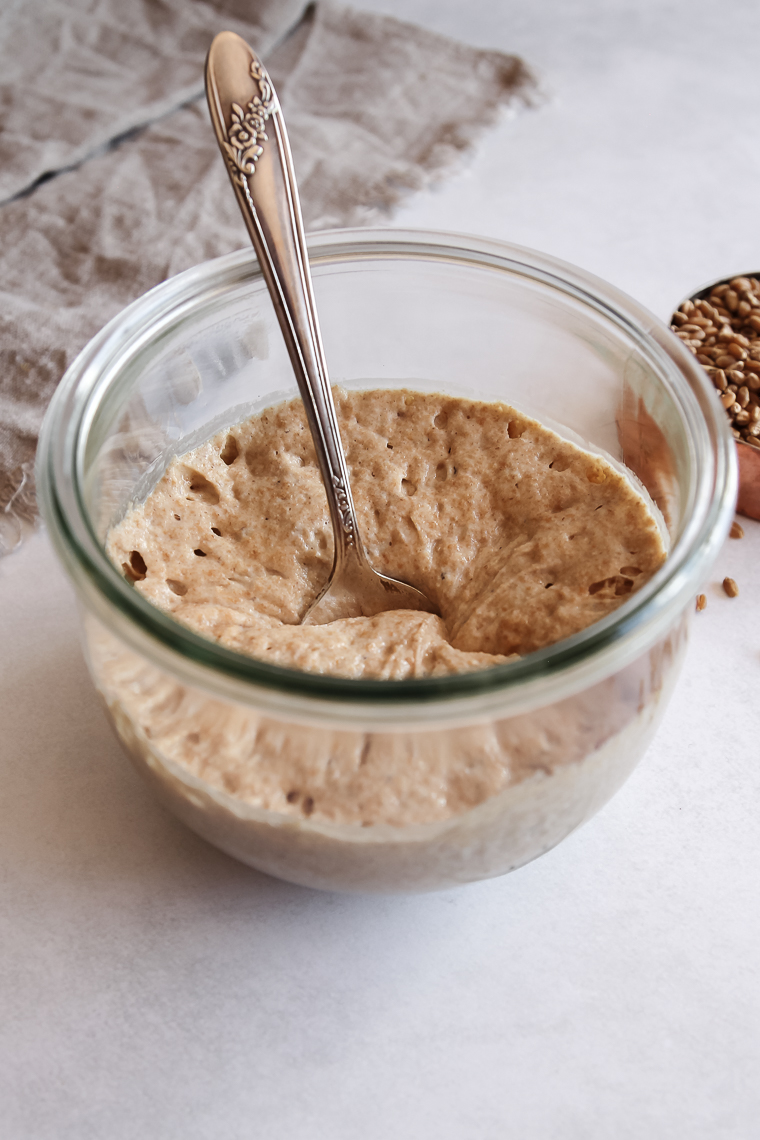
point(432, 312)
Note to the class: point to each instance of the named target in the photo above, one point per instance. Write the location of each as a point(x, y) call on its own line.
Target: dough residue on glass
point(520, 537)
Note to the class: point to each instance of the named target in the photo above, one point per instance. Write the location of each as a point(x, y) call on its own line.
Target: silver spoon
point(251, 134)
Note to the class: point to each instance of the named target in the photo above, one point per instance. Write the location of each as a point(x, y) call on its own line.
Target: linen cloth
point(113, 181)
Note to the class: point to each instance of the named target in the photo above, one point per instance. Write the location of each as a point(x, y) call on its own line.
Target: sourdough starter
point(520, 538)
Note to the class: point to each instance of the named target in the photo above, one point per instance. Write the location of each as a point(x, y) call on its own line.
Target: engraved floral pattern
point(346, 512)
point(247, 128)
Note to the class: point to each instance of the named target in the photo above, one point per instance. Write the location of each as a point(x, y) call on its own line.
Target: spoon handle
point(251, 134)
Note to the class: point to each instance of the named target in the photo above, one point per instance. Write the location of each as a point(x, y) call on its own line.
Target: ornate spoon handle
point(251, 134)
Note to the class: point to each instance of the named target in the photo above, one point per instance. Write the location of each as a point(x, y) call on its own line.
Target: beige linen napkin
point(375, 108)
point(75, 74)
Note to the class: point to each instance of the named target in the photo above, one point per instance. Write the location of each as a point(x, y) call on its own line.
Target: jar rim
point(538, 678)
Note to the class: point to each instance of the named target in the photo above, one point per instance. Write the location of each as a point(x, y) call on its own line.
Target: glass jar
point(433, 312)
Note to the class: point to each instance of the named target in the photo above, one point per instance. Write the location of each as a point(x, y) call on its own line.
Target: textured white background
point(152, 987)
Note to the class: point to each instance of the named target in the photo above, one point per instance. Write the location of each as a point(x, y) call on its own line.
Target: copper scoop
point(748, 502)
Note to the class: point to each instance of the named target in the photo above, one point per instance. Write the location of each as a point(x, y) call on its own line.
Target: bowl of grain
point(411, 779)
point(720, 324)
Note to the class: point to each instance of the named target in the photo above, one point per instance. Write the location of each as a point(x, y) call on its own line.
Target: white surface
point(151, 987)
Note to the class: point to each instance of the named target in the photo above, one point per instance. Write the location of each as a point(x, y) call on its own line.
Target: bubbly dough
point(518, 536)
